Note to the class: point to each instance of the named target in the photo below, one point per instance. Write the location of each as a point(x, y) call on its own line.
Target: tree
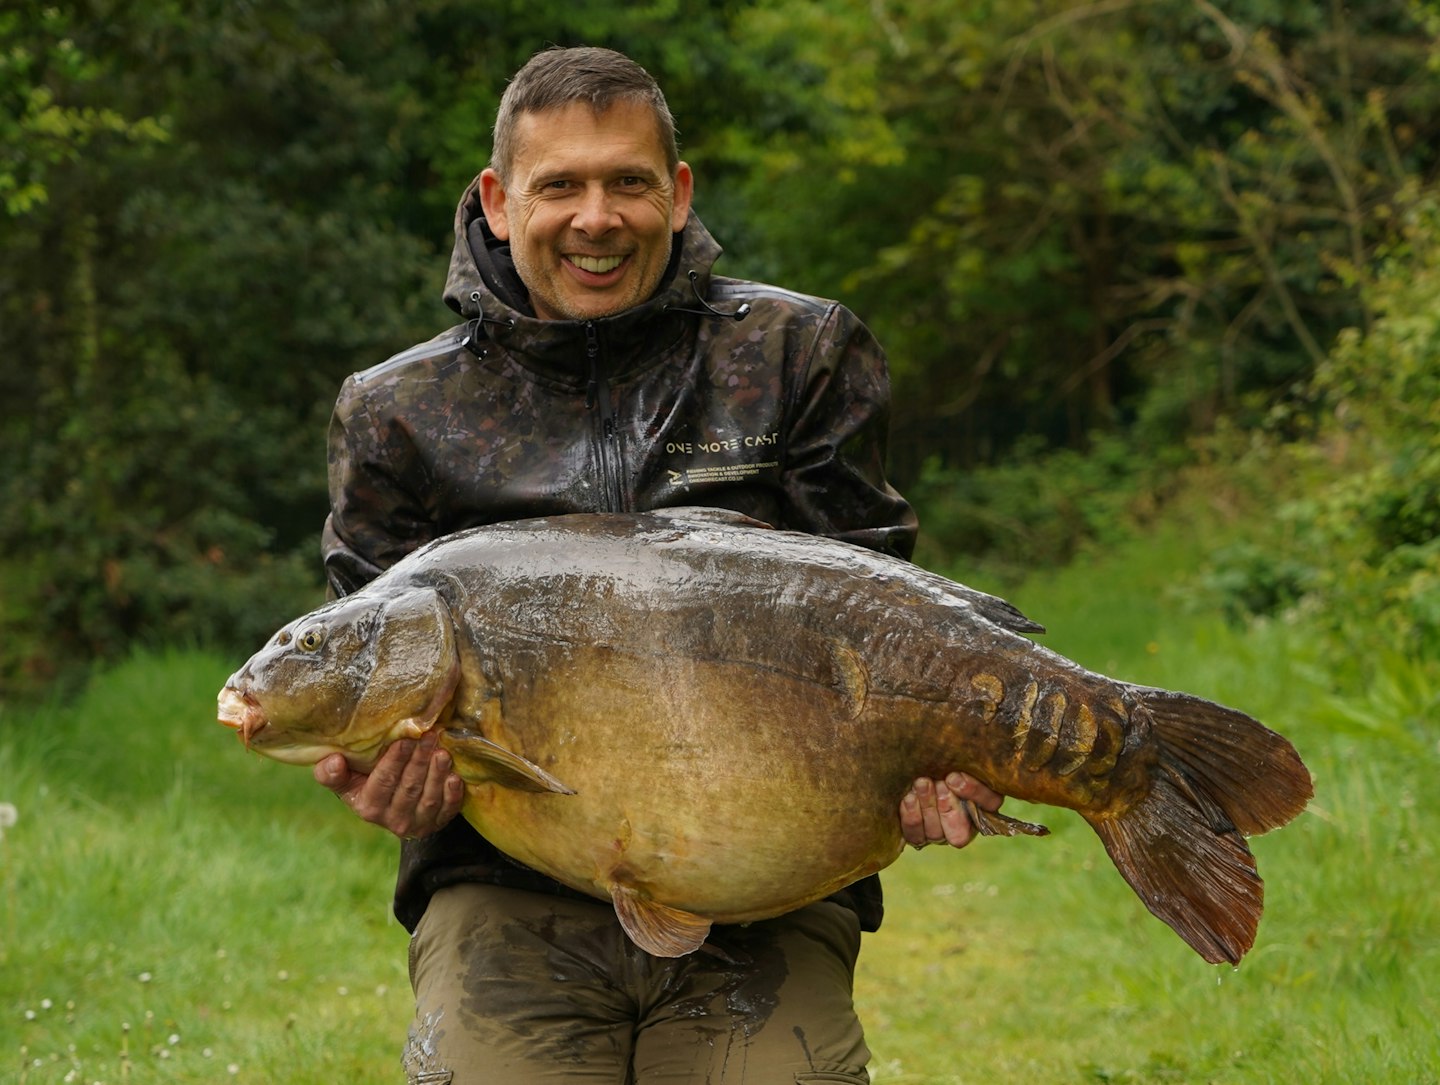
point(1068, 218)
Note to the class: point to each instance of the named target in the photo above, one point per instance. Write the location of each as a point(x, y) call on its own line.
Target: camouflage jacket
point(779, 414)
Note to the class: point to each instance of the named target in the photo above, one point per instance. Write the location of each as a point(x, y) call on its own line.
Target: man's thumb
point(332, 772)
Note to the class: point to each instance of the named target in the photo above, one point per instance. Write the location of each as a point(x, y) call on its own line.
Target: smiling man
point(589, 205)
point(602, 366)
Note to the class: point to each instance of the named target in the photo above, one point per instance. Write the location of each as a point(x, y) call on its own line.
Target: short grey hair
point(558, 76)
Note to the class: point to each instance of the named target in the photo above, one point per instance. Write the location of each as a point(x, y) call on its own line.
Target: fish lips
point(239, 711)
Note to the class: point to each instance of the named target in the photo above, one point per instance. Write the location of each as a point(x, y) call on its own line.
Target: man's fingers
point(912, 822)
point(929, 811)
point(412, 790)
point(385, 777)
point(967, 787)
point(935, 810)
point(430, 799)
point(954, 821)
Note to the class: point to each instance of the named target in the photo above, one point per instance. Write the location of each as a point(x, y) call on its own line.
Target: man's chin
point(595, 307)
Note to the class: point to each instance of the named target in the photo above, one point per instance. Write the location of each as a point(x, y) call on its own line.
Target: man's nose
point(597, 213)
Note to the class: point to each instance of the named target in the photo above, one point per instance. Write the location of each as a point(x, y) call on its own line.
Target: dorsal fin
point(657, 928)
point(703, 514)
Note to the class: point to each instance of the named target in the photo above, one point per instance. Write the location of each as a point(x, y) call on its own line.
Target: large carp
point(706, 720)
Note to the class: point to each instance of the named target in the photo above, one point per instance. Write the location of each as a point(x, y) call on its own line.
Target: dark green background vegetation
point(1112, 248)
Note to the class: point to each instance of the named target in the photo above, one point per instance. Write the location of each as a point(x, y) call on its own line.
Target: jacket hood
point(483, 283)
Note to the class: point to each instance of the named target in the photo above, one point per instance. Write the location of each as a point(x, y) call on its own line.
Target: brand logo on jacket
point(699, 474)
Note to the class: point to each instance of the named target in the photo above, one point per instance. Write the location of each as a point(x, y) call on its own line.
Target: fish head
point(351, 677)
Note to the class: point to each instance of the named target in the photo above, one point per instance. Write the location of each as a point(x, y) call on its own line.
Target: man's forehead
point(628, 125)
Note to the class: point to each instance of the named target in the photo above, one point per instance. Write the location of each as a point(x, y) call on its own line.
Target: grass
point(175, 910)
point(172, 910)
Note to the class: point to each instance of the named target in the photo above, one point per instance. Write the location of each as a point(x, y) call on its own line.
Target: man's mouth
point(596, 265)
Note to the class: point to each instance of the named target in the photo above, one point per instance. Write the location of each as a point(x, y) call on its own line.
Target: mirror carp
point(706, 720)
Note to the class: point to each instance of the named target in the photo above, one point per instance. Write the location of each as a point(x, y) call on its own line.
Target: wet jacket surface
point(780, 415)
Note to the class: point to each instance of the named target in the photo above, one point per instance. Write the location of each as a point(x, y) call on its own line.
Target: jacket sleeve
point(838, 419)
point(378, 513)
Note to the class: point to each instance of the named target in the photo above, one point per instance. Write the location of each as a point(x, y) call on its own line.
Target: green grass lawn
point(174, 910)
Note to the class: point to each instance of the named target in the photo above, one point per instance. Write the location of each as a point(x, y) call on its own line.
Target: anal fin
point(994, 823)
point(480, 761)
point(657, 928)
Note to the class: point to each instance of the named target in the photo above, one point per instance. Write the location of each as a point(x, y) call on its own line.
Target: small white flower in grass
point(144, 977)
point(8, 817)
point(232, 1069)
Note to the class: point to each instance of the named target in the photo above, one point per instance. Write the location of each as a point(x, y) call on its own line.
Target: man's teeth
point(597, 265)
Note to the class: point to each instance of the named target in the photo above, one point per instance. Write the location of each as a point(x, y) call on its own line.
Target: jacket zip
point(597, 398)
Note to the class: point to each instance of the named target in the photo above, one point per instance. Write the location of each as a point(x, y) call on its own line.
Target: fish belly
point(717, 787)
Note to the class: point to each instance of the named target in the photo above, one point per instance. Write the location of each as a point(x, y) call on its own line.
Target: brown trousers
point(515, 988)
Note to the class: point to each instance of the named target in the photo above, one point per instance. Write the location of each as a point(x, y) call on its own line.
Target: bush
point(1360, 549)
point(1036, 510)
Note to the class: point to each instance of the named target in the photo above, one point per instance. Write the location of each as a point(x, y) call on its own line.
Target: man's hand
point(410, 791)
point(933, 811)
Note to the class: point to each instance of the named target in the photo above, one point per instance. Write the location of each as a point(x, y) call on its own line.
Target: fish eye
point(309, 640)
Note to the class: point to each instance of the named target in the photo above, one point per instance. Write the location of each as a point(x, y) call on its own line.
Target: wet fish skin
point(645, 707)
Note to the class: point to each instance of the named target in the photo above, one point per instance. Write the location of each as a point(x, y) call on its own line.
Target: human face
point(589, 208)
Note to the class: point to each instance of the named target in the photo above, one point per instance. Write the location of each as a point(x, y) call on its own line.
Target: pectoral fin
point(656, 928)
point(480, 761)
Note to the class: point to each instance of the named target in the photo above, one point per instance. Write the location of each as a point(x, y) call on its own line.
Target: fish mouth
point(239, 711)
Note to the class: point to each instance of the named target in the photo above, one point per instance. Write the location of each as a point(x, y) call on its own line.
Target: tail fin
point(1221, 776)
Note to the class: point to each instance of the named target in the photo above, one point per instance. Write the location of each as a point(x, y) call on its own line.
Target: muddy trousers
point(515, 988)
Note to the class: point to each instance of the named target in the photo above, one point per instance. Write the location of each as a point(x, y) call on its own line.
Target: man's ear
point(492, 202)
point(684, 192)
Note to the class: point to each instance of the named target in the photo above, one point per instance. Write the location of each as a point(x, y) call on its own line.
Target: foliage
point(1036, 510)
point(1085, 232)
point(184, 311)
point(1084, 216)
point(1356, 548)
point(39, 133)
point(1380, 524)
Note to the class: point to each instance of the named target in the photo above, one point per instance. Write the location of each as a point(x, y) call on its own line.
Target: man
point(603, 367)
